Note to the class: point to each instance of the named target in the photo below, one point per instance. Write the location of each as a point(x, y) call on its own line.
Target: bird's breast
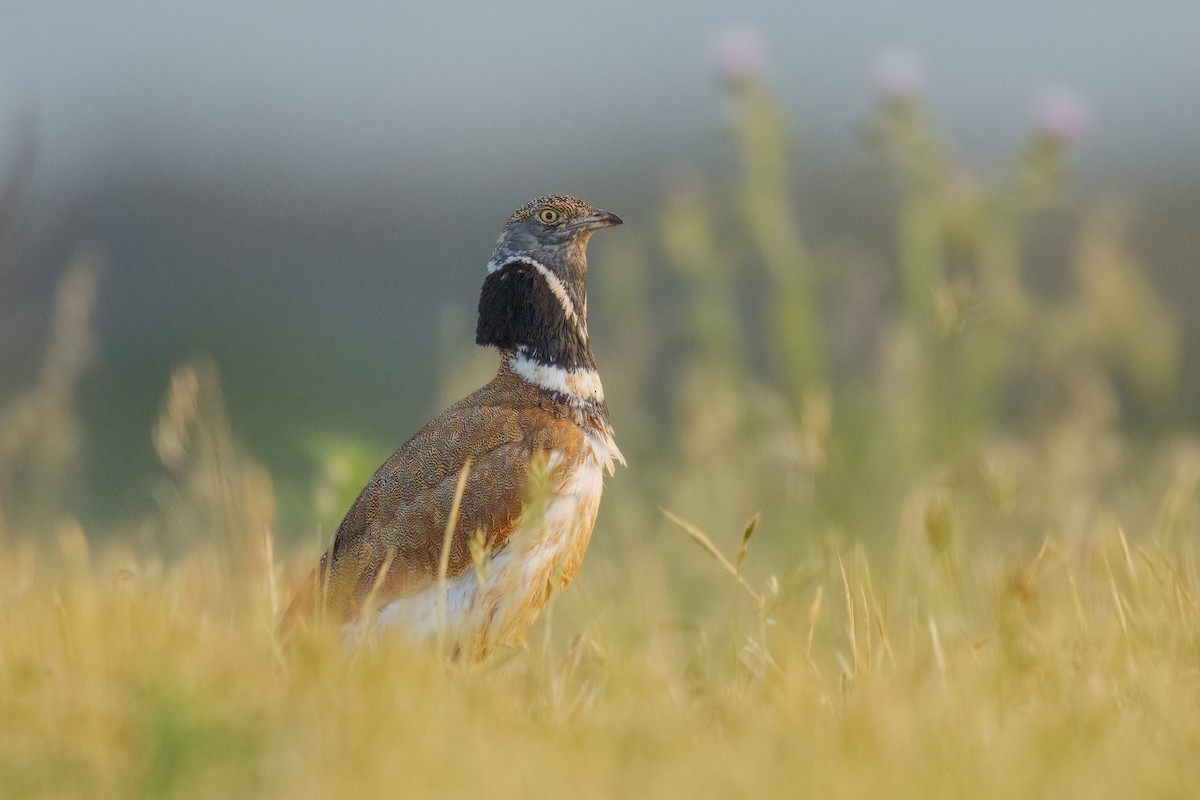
point(545, 555)
point(494, 604)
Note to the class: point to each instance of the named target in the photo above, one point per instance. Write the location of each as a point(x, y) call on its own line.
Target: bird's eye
point(548, 216)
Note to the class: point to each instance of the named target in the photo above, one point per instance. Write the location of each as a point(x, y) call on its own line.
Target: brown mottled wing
point(405, 507)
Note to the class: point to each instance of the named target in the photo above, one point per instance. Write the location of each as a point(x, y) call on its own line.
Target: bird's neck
point(525, 309)
point(539, 324)
point(577, 386)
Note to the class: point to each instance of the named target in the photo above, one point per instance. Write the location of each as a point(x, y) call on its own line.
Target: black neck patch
point(517, 308)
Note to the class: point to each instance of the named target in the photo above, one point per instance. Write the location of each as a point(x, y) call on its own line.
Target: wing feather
point(404, 508)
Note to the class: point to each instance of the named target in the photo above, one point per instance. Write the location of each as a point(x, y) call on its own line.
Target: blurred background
point(898, 251)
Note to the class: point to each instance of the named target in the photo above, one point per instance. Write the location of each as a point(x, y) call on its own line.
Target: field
point(977, 675)
point(914, 527)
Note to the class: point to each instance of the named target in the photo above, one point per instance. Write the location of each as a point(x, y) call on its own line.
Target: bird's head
point(535, 294)
point(554, 231)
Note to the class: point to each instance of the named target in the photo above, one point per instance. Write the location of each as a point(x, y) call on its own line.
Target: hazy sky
point(495, 87)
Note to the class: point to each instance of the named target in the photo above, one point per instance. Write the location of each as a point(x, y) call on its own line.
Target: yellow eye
point(548, 216)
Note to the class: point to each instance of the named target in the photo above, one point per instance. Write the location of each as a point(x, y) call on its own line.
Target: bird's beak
point(600, 219)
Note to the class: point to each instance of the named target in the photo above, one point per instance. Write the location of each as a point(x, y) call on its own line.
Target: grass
point(988, 677)
point(945, 567)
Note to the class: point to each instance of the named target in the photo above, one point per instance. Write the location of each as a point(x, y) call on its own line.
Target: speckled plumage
point(534, 406)
point(563, 203)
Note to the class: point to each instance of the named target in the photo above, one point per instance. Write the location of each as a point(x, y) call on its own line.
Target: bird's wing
point(399, 519)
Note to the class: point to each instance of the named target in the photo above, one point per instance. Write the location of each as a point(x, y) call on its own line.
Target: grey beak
point(601, 219)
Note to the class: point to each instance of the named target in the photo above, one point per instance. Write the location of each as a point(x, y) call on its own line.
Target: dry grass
point(1059, 676)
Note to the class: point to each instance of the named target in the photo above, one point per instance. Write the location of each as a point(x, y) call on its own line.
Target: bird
point(476, 583)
